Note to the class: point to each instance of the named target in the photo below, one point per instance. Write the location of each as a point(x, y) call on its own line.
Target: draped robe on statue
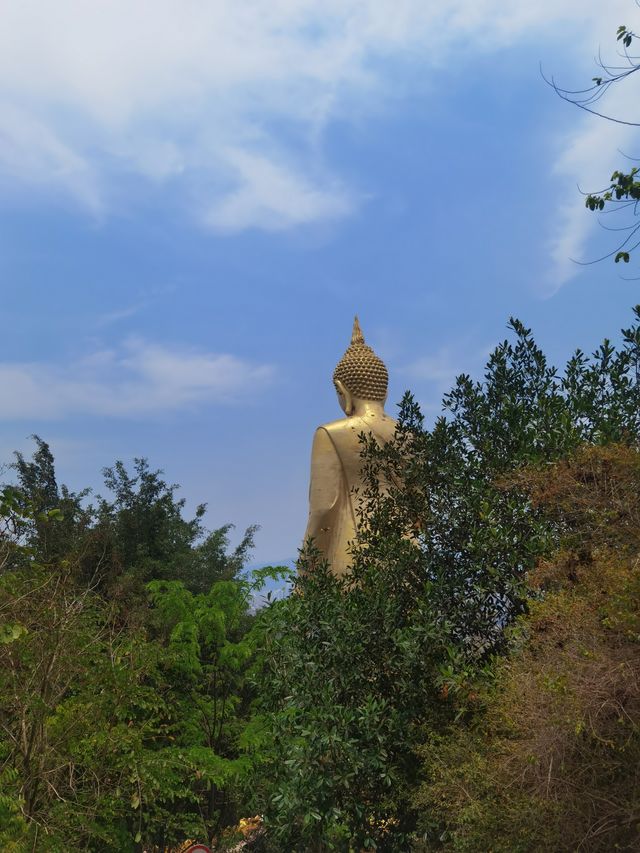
point(336, 482)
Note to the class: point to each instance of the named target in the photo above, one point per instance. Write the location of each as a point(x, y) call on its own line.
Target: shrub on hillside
point(357, 670)
point(549, 758)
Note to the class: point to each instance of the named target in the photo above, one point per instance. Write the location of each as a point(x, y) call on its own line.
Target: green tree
point(152, 539)
point(136, 534)
point(547, 755)
point(120, 716)
point(41, 496)
point(356, 668)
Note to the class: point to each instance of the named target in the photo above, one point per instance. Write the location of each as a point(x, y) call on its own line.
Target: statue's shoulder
point(341, 425)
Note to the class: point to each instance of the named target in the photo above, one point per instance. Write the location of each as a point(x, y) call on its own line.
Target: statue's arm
point(324, 486)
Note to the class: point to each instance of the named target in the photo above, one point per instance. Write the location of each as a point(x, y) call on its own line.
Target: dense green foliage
point(358, 668)
point(450, 692)
point(122, 692)
point(548, 757)
point(122, 543)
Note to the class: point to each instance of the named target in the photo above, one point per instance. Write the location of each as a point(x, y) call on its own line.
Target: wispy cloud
point(166, 89)
point(135, 379)
point(431, 376)
point(111, 317)
point(272, 197)
point(441, 368)
point(32, 153)
point(146, 297)
point(589, 155)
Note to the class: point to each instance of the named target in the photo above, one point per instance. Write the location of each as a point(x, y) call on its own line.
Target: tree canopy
point(470, 682)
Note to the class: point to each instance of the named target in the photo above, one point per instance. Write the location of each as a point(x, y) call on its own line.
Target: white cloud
point(136, 379)
point(32, 153)
point(168, 88)
point(147, 297)
point(431, 377)
point(442, 367)
point(589, 155)
point(272, 197)
point(116, 316)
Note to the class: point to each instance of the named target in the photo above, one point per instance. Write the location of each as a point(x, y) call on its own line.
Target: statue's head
point(360, 374)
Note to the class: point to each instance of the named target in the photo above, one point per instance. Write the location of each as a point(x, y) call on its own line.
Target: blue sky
point(195, 198)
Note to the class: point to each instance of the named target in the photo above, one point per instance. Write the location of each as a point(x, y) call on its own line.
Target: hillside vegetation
point(472, 684)
point(548, 754)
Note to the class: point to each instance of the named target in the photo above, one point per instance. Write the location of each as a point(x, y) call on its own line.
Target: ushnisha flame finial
point(356, 336)
point(360, 369)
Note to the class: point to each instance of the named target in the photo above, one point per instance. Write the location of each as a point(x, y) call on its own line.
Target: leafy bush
point(356, 669)
point(468, 684)
point(549, 758)
point(121, 716)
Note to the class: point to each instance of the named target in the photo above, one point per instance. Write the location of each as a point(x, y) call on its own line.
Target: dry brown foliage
point(552, 762)
point(593, 495)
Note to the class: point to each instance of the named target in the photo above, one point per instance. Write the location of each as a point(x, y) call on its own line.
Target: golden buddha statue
point(361, 381)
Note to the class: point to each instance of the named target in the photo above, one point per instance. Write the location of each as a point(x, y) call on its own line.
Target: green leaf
point(10, 633)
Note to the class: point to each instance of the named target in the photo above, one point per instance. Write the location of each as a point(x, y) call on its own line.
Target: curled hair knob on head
point(360, 370)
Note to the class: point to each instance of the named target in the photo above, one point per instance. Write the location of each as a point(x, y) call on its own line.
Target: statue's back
point(336, 463)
